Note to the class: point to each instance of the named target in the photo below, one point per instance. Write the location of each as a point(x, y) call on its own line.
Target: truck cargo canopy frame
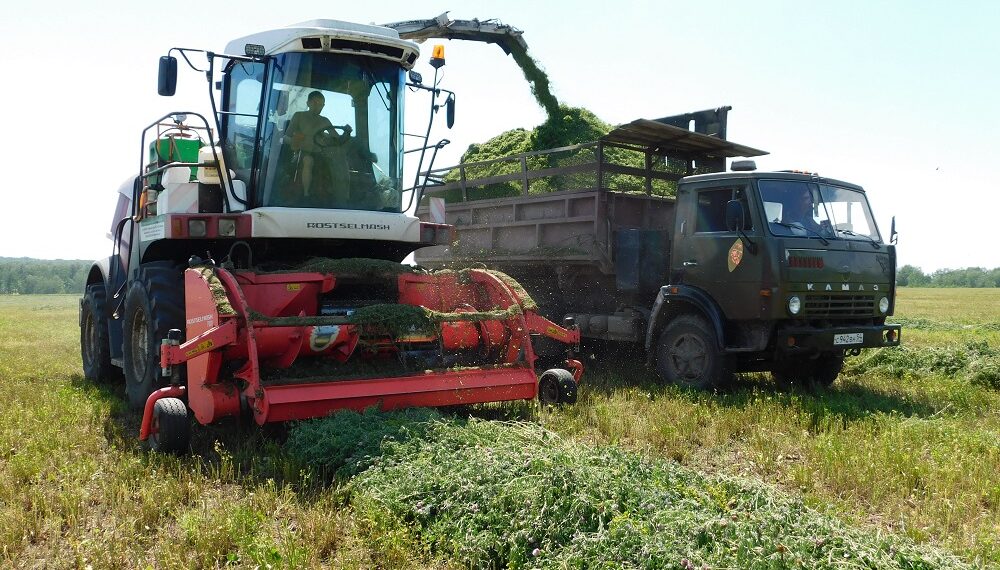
point(668, 140)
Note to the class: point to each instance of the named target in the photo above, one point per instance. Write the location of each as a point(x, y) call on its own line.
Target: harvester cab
point(294, 183)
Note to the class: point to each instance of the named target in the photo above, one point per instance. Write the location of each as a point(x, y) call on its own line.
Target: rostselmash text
point(346, 226)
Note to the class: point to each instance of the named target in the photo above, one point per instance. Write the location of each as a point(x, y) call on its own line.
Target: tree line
point(977, 277)
point(26, 276)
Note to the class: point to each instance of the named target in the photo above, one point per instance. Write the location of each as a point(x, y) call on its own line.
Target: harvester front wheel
point(154, 305)
point(95, 349)
point(170, 431)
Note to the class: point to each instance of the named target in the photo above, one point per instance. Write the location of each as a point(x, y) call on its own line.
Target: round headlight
point(794, 305)
point(883, 305)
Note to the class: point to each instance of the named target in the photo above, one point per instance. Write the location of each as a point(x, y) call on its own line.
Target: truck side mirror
point(735, 215)
point(893, 236)
point(450, 110)
point(166, 83)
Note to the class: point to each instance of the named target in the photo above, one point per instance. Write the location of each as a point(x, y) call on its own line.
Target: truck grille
point(839, 305)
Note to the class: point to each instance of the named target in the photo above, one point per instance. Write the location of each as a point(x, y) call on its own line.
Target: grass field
point(906, 444)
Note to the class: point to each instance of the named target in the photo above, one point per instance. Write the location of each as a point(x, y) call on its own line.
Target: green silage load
point(571, 126)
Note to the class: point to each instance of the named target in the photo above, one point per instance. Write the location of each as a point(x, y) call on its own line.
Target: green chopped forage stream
point(538, 79)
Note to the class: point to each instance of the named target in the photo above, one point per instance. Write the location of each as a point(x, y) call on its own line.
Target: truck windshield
point(822, 211)
point(332, 136)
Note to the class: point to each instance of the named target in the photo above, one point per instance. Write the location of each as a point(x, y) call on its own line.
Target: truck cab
point(787, 270)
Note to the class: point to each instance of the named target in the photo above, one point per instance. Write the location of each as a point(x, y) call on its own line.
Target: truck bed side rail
point(596, 165)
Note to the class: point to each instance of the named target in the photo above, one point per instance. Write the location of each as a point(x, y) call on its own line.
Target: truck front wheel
point(687, 354)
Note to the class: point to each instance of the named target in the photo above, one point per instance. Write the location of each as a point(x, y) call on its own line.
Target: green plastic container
point(172, 149)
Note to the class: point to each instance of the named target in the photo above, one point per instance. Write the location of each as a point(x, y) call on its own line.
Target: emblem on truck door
point(735, 254)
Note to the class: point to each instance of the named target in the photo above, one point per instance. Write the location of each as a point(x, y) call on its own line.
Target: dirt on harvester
point(394, 319)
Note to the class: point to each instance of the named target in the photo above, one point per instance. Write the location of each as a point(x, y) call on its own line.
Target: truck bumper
point(805, 339)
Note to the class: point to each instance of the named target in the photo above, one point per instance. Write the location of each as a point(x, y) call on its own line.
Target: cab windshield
point(331, 137)
point(822, 211)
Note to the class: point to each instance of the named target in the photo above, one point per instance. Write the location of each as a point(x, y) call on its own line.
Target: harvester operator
point(302, 133)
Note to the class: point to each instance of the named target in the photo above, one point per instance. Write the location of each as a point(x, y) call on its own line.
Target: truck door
point(711, 257)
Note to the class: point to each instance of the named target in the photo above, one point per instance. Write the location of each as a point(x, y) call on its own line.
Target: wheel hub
point(688, 356)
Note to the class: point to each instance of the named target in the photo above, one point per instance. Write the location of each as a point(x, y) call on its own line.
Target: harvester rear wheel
point(154, 305)
point(170, 431)
point(95, 349)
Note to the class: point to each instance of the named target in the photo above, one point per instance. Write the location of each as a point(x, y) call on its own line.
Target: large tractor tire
point(154, 304)
point(95, 347)
point(687, 354)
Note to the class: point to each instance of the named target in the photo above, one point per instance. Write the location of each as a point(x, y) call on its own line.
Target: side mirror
point(893, 236)
point(166, 83)
point(450, 110)
point(735, 216)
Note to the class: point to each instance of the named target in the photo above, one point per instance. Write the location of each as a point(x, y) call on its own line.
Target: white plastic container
point(209, 174)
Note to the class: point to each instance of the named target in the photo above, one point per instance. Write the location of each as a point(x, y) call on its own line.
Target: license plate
point(849, 338)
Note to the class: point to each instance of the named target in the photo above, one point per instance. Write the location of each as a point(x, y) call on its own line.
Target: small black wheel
point(548, 388)
point(557, 386)
point(567, 388)
point(170, 430)
point(687, 354)
point(95, 348)
point(154, 304)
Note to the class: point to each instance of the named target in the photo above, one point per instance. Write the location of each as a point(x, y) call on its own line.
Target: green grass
point(904, 447)
point(907, 440)
point(77, 491)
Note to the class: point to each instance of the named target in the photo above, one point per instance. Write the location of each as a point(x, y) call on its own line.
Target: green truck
point(643, 237)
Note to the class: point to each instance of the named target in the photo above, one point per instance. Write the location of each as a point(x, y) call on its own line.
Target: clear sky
point(897, 96)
